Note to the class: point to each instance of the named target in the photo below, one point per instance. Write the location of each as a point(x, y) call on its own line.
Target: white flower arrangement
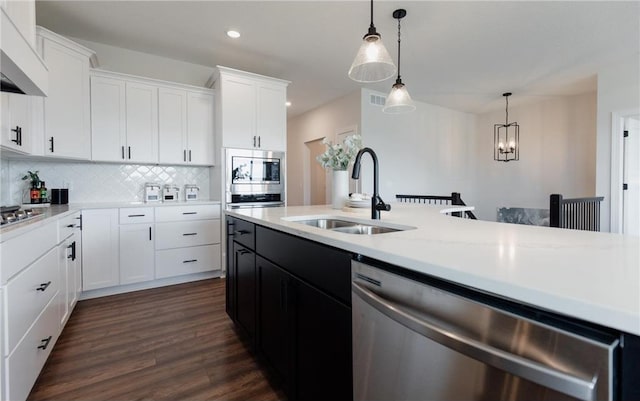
point(339, 155)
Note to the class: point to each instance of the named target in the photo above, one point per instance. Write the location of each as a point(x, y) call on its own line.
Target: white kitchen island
point(590, 276)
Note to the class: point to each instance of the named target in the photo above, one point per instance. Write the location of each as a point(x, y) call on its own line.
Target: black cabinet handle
point(51, 148)
point(241, 232)
point(45, 342)
point(43, 286)
point(254, 141)
point(186, 234)
point(122, 148)
point(129, 147)
point(70, 225)
point(73, 251)
point(149, 233)
point(136, 215)
point(258, 141)
point(184, 155)
point(190, 261)
point(80, 218)
point(18, 131)
point(184, 213)
point(189, 154)
point(243, 251)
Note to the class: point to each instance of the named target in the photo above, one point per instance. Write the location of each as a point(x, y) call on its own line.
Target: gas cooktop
point(14, 214)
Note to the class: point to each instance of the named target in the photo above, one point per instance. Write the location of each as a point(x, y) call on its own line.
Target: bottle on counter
point(34, 193)
point(44, 196)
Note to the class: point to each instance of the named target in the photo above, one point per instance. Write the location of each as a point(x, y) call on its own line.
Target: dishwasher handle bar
point(581, 388)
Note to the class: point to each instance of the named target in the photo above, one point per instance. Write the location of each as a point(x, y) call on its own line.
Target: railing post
point(456, 201)
point(555, 209)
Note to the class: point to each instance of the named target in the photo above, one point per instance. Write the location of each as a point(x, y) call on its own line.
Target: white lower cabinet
point(100, 247)
point(136, 253)
point(28, 358)
point(180, 261)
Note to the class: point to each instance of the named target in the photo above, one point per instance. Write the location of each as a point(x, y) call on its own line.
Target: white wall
point(148, 65)
point(557, 155)
point(430, 151)
point(318, 123)
point(618, 89)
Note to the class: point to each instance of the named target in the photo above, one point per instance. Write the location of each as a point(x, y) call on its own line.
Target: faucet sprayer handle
point(380, 205)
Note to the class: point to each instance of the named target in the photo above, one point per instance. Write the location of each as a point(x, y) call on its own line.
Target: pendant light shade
point(399, 100)
point(373, 62)
point(506, 138)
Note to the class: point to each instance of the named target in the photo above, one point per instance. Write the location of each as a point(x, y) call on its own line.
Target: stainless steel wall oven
point(254, 178)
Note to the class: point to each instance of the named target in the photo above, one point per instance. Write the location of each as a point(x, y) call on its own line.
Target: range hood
point(22, 69)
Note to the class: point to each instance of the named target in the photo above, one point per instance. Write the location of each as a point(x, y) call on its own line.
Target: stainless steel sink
point(350, 227)
point(366, 230)
point(328, 224)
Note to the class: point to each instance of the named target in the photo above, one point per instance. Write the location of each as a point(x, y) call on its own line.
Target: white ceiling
point(461, 55)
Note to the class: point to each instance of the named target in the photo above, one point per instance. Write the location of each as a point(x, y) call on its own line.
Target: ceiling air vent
point(377, 100)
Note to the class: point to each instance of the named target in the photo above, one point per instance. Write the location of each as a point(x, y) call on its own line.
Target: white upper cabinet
point(66, 108)
point(142, 123)
point(108, 126)
point(251, 110)
point(16, 124)
point(138, 120)
point(185, 127)
point(200, 128)
point(124, 120)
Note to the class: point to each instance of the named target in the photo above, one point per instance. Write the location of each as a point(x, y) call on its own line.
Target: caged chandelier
point(373, 62)
point(506, 137)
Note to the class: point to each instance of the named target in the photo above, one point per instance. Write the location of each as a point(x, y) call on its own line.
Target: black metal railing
point(575, 213)
point(454, 200)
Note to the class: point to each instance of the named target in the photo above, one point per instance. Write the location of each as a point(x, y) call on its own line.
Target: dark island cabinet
point(292, 297)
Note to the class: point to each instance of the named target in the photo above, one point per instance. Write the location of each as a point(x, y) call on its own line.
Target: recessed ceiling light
point(288, 103)
point(233, 34)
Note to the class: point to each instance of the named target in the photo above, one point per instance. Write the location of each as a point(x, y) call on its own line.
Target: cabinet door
point(274, 302)
point(172, 126)
point(323, 346)
point(200, 128)
point(272, 117)
point(66, 286)
point(142, 123)
point(100, 249)
point(108, 129)
point(16, 122)
point(66, 117)
point(245, 263)
point(238, 105)
point(136, 253)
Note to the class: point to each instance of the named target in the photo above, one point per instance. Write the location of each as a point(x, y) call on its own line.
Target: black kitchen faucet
point(377, 204)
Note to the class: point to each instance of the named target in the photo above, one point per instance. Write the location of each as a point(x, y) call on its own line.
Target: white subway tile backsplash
point(98, 182)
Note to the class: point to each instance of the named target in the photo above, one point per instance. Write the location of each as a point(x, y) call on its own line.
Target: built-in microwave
point(254, 178)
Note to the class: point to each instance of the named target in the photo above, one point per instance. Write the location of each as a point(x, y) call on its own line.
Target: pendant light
point(506, 137)
point(398, 100)
point(373, 62)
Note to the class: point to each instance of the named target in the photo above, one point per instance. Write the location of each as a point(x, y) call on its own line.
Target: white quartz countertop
point(586, 275)
point(58, 211)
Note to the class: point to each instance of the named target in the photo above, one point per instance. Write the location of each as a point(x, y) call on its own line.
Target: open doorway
point(317, 175)
point(625, 173)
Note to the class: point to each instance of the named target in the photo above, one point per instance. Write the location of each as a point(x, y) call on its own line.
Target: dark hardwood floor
point(170, 343)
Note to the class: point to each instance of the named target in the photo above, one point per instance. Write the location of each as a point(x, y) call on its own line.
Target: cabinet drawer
point(67, 225)
point(24, 365)
point(242, 232)
point(19, 252)
point(187, 212)
point(188, 233)
point(176, 262)
point(28, 293)
point(132, 215)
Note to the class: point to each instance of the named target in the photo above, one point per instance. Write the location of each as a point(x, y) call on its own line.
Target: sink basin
point(366, 230)
point(349, 226)
point(328, 224)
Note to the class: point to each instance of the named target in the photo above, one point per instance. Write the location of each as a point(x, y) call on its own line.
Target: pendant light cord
point(371, 24)
point(399, 48)
point(506, 111)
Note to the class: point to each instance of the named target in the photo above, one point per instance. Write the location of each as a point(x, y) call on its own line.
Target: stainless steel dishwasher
point(414, 341)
